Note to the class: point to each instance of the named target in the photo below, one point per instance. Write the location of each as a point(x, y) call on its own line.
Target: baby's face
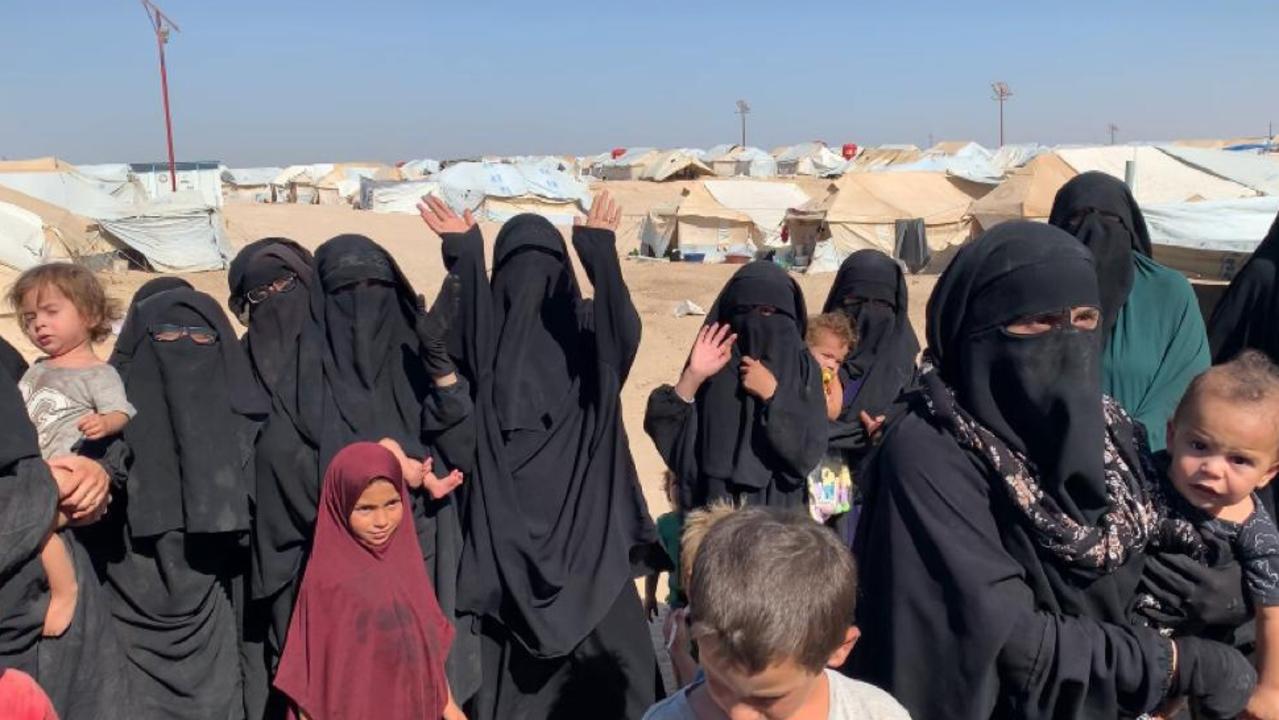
point(829, 351)
point(1222, 452)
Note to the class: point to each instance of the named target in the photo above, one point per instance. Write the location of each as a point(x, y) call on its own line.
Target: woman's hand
point(757, 379)
point(437, 486)
point(83, 488)
point(440, 217)
point(711, 351)
point(605, 214)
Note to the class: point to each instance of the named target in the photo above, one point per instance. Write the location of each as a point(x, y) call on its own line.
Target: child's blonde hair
point(696, 524)
point(834, 323)
point(79, 285)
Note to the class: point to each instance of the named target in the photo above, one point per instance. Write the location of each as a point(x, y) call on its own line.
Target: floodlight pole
point(161, 24)
point(743, 109)
point(1114, 129)
point(1002, 93)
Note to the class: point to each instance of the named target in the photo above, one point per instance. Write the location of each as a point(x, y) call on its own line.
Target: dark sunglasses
point(165, 332)
point(259, 294)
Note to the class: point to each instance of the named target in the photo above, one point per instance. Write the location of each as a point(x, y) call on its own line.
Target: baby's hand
point(757, 379)
point(93, 426)
point(1263, 705)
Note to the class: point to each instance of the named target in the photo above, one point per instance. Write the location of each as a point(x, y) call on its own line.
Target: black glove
point(433, 328)
point(1218, 676)
point(1194, 595)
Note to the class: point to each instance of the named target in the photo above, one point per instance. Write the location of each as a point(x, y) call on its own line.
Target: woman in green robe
point(1155, 341)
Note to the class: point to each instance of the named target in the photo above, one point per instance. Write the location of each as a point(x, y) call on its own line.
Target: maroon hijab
point(367, 637)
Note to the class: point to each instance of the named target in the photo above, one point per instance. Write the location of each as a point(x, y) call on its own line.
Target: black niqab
point(132, 332)
point(1247, 316)
point(870, 289)
point(275, 324)
point(1041, 394)
point(1102, 213)
point(198, 410)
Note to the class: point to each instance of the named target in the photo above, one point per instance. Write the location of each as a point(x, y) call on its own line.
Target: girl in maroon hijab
point(367, 631)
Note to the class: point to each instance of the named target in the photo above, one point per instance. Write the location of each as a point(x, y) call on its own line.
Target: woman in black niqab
point(870, 289)
point(728, 443)
point(275, 322)
point(1010, 507)
point(1247, 316)
point(555, 513)
point(174, 551)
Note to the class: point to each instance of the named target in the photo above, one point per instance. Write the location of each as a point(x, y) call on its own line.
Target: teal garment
point(670, 527)
point(1157, 347)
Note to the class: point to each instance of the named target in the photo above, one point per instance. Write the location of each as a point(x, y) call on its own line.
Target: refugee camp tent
point(296, 183)
point(1027, 193)
point(395, 196)
point(705, 225)
point(968, 161)
point(679, 164)
point(765, 203)
point(861, 211)
point(1209, 240)
point(116, 179)
point(1011, 157)
point(415, 169)
point(252, 185)
point(736, 160)
point(202, 177)
point(873, 158)
point(34, 231)
point(810, 158)
point(1254, 171)
point(500, 191)
point(178, 232)
point(1160, 177)
point(341, 185)
point(630, 165)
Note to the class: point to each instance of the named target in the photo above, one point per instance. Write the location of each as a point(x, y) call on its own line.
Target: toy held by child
point(71, 395)
point(830, 338)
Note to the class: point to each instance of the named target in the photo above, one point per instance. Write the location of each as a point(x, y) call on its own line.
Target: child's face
point(829, 350)
point(376, 514)
point(52, 322)
point(1222, 452)
point(781, 691)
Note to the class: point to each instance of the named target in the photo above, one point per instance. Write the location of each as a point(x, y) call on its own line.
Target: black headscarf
point(535, 303)
point(1039, 394)
point(1247, 316)
point(275, 324)
point(198, 411)
point(732, 447)
point(131, 332)
point(369, 381)
point(11, 361)
point(871, 290)
point(1101, 212)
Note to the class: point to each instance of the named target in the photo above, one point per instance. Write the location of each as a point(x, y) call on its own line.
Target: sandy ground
point(655, 287)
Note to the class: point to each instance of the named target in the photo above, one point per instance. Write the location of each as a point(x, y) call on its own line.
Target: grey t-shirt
point(57, 398)
point(849, 700)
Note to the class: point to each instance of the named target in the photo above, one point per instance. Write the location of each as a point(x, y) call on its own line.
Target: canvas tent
point(34, 231)
point(630, 165)
point(675, 165)
point(176, 233)
point(416, 169)
point(395, 196)
point(810, 158)
point(969, 161)
point(500, 191)
point(736, 160)
point(861, 211)
point(296, 183)
point(879, 157)
point(202, 178)
point(251, 185)
point(1160, 177)
point(116, 179)
point(341, 185)
point(1027, 193)
point(1209, 240)
point(717, 217)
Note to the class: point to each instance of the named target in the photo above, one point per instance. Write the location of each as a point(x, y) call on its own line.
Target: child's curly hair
point(79, 285)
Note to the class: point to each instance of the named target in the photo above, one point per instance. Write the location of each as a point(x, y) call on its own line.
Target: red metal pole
point(164, 87)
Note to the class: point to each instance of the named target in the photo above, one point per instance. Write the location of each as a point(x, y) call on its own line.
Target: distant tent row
point(81, 216)
point(721, 217)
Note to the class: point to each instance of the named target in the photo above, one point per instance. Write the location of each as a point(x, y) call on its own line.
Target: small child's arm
point(96, 426)
point(1264, 704)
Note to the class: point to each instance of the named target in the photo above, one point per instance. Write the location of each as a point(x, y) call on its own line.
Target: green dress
point(1157, 347)
point(670, 527)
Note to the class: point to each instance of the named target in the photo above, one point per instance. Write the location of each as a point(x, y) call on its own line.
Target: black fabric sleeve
point(937, 581)
point(471, 337)
point(617, 324)
point(797, 429)
point(448, 423)
point(672, 424)
point(28, 503)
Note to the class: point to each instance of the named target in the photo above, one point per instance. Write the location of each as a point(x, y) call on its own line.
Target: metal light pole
point(1114, 130)
point(161, 24)
point(743, 109)
point(1002, 93)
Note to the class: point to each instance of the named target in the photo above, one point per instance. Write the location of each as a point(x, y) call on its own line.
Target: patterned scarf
point(1139, 513)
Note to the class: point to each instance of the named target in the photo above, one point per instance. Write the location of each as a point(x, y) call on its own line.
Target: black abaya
point(870, 289)
point(1247, 316)
point(178, 553)
point(950, 567)
point(11, 361)
point(727, 444)
point(555, 511)
point(82, 671)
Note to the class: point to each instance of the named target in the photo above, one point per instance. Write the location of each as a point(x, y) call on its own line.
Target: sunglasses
point(259, 295)
point(165, 332)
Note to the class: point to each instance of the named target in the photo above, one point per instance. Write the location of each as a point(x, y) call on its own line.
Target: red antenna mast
point(162, 24)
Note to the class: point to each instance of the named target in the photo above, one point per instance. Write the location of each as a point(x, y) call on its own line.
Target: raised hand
point(440, 217)
point(712, 350)
point(605, 213)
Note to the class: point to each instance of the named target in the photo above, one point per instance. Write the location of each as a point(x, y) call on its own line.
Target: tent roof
point(875, 157)
point(888, 197)
point(78, 234)
point(698, 202)
point(1254, 171)
point(1161, 178)
point(673, 162)
point(1028, 192)
point(44, 164)
point(952, 147)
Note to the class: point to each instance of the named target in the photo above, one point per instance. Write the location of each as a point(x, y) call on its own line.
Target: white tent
point(1212, 239)
point(249, 184)
point(500, 191)
point(630, 165)
point(675, 165)
point(1160, 177)
point(810, 158)
point(203, 178)
point(395, 196)
point(765, 203)
point(735, 160)
point(415, 169)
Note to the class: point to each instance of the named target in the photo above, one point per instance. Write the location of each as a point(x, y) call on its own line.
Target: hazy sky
point(268, 82)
